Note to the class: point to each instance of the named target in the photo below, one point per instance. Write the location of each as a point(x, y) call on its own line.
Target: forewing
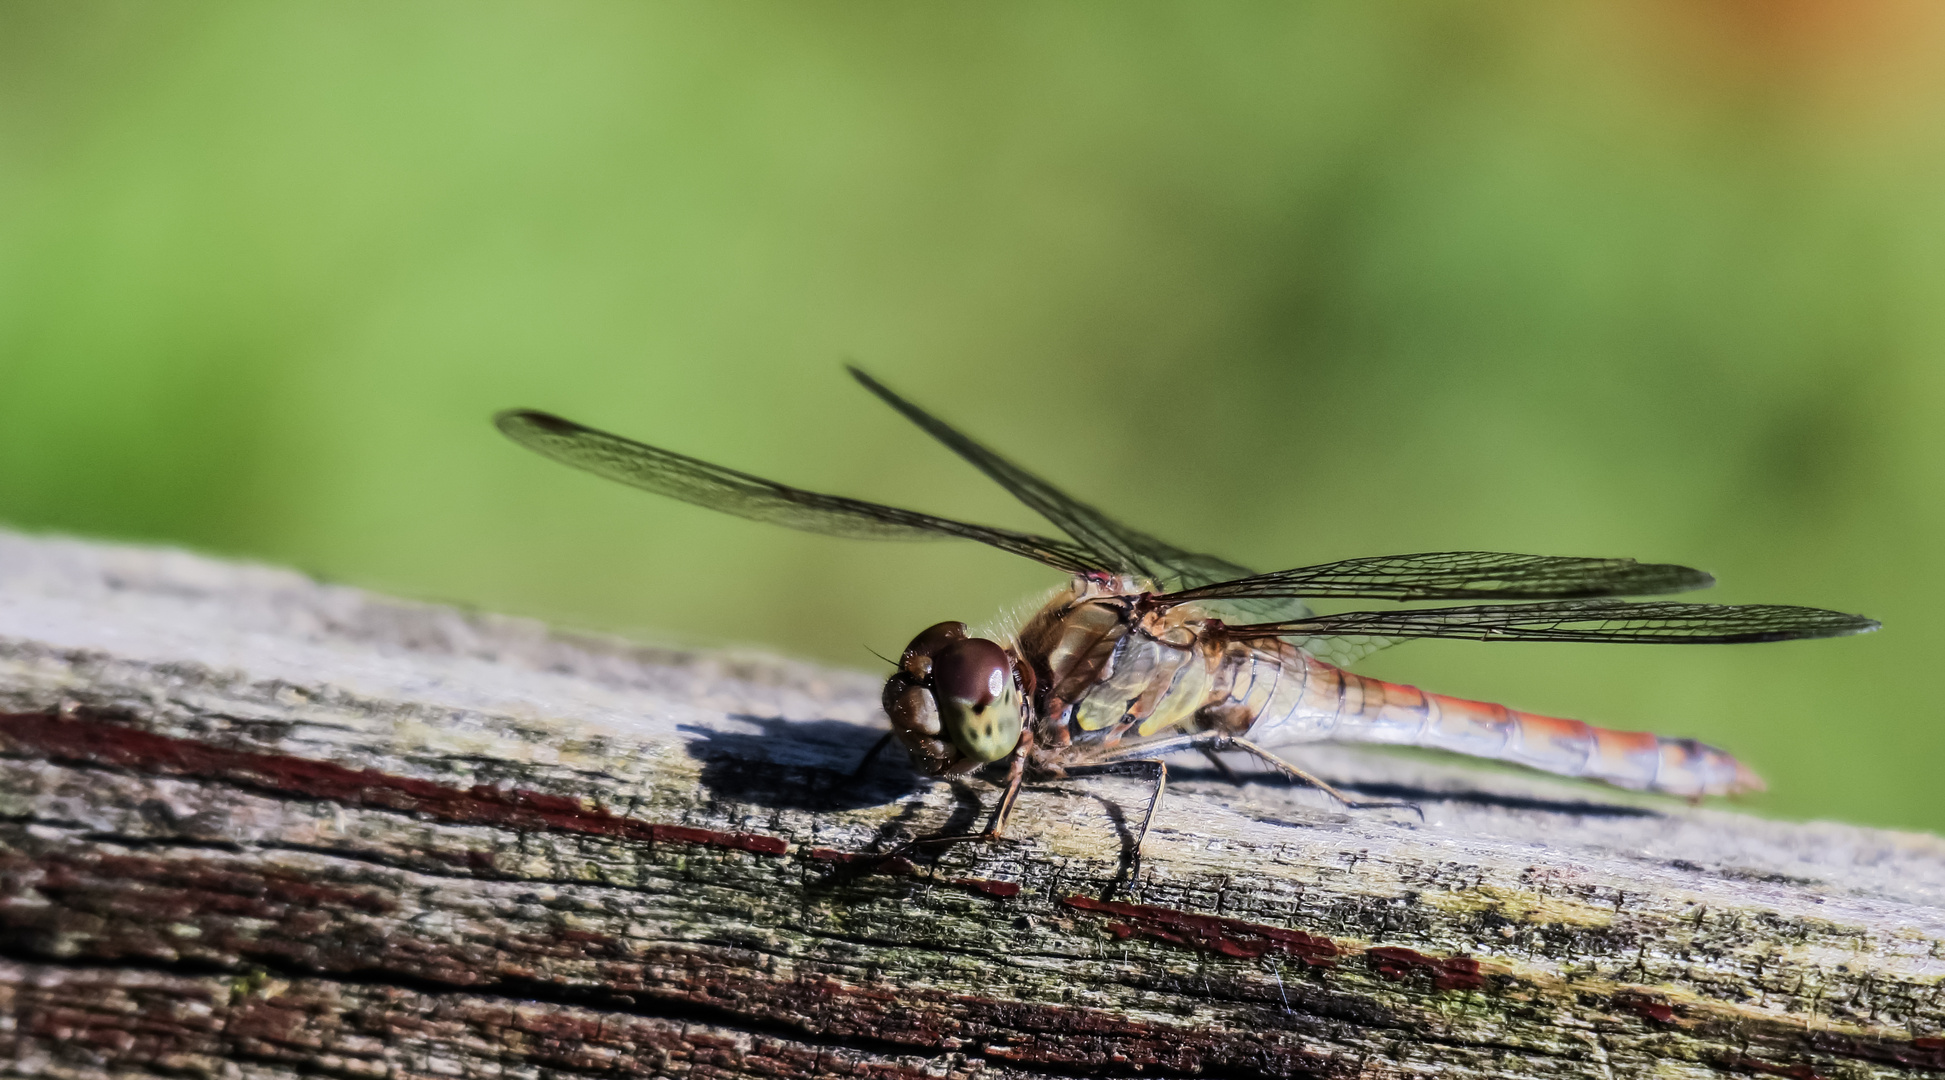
point(1458, 575)
point(1116, 545)
point(739, 493)
point(1584, 620)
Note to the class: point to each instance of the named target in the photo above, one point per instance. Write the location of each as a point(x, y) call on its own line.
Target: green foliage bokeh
point(1290, 282)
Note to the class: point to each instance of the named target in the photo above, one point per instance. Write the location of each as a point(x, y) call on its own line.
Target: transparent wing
point(1115, 545)
point(739, 493)
point(1458, 575)
point(1579, 620)
point(1340, 649)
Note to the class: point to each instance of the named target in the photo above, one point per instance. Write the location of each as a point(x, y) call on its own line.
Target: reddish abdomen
point(1374, 711)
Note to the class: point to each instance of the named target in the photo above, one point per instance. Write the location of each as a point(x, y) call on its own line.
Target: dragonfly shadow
point(800, 765)
point(1128, 867)
point(1413, 793)
point(1569, 807)
point(970, 814)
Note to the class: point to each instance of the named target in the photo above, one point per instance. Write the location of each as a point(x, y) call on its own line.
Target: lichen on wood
point(251, 825)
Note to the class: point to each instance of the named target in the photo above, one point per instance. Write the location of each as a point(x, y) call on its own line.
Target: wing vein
point(1587, 620)
point(1457, 575)
point(732, 492)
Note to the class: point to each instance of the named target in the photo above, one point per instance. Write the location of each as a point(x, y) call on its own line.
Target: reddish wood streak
point(882, 864)
point(1448, 973)
point(1005, 890)
point(1211, 933)
point(685, 834)
point(91, 741)
point(1644, 1005)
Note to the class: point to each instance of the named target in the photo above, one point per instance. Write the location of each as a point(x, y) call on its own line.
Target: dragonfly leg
point(1222, 766)
point(1015, 775)
point(1295, 773)
point(1154, 804)
point(870, 756)
point(1156, 769)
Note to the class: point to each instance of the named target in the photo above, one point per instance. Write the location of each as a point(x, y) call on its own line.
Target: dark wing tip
point(513, 421)
point(870, 383)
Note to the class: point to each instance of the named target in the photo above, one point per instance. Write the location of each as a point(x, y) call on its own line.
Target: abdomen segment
point(1373, 711)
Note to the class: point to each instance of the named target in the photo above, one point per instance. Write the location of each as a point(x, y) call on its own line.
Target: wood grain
point(251, 825)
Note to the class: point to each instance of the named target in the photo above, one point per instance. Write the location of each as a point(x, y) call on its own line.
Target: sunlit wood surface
point(254, 826)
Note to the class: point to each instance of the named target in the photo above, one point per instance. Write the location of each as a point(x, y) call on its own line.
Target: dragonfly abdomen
point(1373, 711)
point(1131, 684)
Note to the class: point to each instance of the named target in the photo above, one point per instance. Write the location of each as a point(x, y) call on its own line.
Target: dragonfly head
point(955, 700)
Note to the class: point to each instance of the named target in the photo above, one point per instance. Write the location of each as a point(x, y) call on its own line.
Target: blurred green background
point(1290, 282)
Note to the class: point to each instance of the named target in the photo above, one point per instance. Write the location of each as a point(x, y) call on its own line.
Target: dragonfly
point(1151, 650)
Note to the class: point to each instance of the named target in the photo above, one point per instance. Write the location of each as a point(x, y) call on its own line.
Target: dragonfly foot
point(934, 843)
point(1385, 804)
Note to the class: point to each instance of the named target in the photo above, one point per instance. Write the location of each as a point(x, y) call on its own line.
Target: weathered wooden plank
point(253, 825)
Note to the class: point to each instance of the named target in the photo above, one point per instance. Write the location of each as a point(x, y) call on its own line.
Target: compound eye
point(917, 660)
point(979, 707)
